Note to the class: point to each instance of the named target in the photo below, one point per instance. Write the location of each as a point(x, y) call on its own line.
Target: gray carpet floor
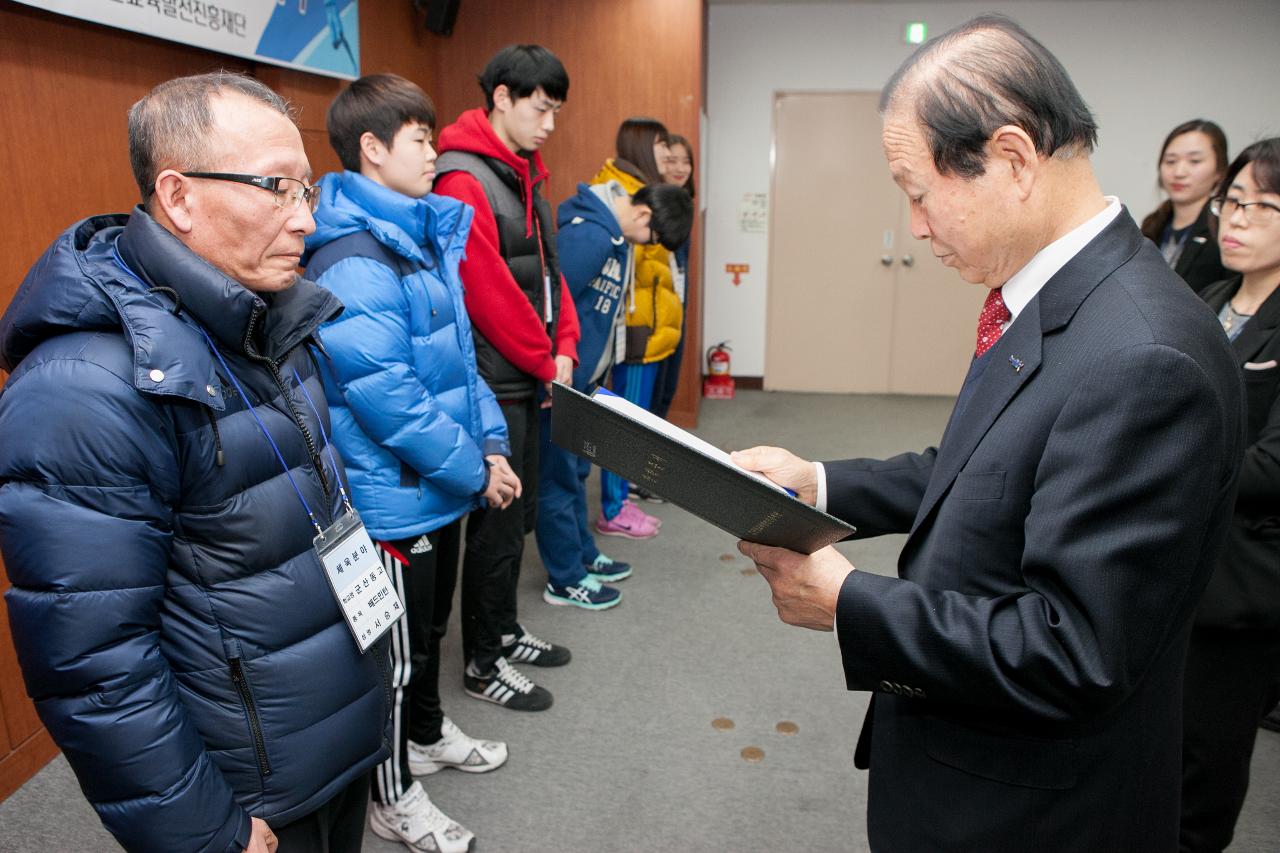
point(628, 759)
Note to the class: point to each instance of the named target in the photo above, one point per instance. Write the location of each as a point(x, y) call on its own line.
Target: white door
point(855, 304)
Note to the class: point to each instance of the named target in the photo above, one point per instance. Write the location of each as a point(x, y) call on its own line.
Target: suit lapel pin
point(1016, 362)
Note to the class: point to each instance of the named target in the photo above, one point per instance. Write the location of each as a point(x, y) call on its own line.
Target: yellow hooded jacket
point(654, 302)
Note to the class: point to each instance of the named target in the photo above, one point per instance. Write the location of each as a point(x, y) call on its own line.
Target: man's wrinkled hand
point(782, 467)
point(806, 589)
point(261, 838)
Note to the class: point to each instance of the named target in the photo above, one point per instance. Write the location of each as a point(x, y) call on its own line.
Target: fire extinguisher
point(719, 381)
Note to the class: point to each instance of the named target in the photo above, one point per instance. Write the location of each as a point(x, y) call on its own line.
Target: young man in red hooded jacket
point(526, 333)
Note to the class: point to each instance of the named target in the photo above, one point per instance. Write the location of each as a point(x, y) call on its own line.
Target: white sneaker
point(419, 825)
point(456, 749)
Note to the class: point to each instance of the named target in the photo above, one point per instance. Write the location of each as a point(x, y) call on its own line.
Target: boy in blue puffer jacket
point(597, 229)
point(423, 435)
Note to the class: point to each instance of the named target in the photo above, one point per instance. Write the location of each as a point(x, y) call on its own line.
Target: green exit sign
point(917, 32)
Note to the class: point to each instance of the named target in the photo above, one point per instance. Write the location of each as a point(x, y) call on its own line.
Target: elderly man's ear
point(1011, 151)
point(172, 200)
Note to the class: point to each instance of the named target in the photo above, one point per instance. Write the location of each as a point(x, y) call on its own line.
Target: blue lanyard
point(328, 445)
point(280, 456)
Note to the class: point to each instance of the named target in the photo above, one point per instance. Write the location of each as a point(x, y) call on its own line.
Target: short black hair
point(982, 75)
point(1265, 157)
point(672, 212)
point(524, 69)
point(380, 104)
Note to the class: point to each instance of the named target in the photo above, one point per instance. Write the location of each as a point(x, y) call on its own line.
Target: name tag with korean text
point(359, 582)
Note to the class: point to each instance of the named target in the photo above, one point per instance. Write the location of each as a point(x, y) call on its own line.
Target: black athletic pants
point(423, 570)
point(335, 827)
point(495, 546)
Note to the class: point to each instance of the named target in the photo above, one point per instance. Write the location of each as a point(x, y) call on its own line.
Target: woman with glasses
point(1192, 161)
point(1233, 663)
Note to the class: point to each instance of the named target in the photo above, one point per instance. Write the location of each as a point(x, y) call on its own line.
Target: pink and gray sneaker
point(629, 522)
point(630, 506)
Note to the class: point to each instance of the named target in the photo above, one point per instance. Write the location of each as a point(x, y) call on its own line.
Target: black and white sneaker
point(529, 649)
point(506, 686)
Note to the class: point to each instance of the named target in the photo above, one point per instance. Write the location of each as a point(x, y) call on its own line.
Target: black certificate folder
point(682, 468)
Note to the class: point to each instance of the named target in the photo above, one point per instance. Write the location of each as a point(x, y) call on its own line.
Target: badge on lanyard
point(546, 300)
point(359, 582)
point(619, 342)
point(356, 576)
point(677, 278)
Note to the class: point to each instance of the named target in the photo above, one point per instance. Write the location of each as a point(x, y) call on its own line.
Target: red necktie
point(991, 321)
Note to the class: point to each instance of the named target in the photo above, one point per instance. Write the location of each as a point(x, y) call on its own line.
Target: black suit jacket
point(1245, 590)
point(1200, 264)
point(1028, 659)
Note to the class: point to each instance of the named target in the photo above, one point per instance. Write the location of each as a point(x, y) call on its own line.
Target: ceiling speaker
point(440, 15)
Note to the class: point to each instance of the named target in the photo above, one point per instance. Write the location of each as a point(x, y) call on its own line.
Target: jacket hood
point(129, 274)
point(590, 204)
point(56, 296)
point(611, 171)
point(350, 202)
point(473, 133)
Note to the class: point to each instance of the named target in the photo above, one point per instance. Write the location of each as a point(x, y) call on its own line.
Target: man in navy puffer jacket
point(172, 619)
point(424, 439)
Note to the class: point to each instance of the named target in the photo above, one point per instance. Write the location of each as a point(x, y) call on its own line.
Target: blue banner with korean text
point(321, 36)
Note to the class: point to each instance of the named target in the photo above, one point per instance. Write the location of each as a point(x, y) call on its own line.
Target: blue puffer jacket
point(596, 261)
point(411, 414)
point(172, 621)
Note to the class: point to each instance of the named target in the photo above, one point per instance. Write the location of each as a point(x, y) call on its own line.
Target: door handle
point(908, 260)
point(886, 260)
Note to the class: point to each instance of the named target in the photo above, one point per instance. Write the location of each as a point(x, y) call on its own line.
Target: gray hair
point(170, 127)
point(981, 76)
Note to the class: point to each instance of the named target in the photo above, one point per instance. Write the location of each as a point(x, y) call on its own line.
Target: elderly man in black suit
point(1028, 660)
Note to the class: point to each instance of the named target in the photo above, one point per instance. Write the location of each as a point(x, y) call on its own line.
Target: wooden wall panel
point(65, 87)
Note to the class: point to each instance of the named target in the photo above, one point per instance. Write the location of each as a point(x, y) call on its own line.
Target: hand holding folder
point(687, 471)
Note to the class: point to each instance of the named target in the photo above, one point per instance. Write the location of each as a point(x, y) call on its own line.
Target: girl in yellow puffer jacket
point(654, 311)
point(653, 314)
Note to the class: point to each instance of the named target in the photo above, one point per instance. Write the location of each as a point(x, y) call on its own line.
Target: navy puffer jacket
point(173, 624)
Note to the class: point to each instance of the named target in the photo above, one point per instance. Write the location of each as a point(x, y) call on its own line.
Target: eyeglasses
point(1255, 212)
point(287, 192)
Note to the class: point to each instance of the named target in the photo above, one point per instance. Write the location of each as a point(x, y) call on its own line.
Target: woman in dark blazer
point(1233, 664)
point(1192, 161)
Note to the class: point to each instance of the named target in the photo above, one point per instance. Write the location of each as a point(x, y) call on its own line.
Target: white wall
point(1143, 66)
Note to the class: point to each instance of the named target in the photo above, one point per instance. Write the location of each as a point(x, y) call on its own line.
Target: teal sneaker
point(608, 570)
point(587, 593)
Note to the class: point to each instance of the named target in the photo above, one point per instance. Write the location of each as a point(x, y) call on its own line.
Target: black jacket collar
point(222, 306)
point(1260, 328)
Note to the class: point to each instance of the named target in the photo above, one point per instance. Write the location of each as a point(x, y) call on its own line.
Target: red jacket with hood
point(496, 304)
